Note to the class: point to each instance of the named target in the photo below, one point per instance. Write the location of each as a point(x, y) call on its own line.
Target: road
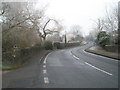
point(72, 68)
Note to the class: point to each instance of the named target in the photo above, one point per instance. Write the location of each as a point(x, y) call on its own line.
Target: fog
point(77, 12)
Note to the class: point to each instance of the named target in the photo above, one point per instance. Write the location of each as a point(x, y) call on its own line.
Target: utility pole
point(119, 16)
point(119, 23)
point(65, 38)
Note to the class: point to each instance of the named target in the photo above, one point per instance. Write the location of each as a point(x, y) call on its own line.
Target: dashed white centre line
point(44, 62)
point(93, 66)
point(46, 80)
point(99, 69)
point(44, 71)
point(44, 66)
point(101, 56)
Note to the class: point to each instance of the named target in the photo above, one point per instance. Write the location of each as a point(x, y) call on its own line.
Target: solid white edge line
point(44, 62)
point(99, 69)
point(46, 80)
point(93, 66)
point(74, 56)
point(46, 59)
point(101, 56)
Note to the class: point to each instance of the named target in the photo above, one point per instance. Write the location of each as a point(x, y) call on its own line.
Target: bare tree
point(111, 19)
point(34, 19)
point(37, 18)
point(13, 17)
point(111, 24)
point(119, 15)
point(76, 32)
point(46, 31)
point(99, 24)
point(119, 23)
point(18, 24)
point(22, 23)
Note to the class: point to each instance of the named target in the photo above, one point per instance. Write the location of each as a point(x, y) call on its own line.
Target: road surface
point(71, 68)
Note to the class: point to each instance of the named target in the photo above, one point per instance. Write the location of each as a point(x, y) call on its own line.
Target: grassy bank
point(104, 53)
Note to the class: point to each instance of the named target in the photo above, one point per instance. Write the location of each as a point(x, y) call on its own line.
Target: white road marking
point(101, 56)
point(46, 80)
point(44, 71)
point(92, 65)
point(84, 51)
point(40, 59)
point(46, 59)
point(99, 69)
point(44, 66)
point(44, 62)
point(74, 56)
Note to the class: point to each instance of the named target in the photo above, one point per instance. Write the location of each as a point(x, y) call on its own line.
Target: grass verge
point(8, 67)
point(104, 53)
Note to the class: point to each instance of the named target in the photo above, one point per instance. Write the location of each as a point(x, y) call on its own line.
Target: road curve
point(66, 68)
point(75, 68)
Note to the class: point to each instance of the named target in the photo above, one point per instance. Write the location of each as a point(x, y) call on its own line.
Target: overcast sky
point(77, 12)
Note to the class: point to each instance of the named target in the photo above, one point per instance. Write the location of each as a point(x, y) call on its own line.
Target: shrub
point(57, 45)
point(7, 45)
point(102, 39)
point(48, 45)
point(38, 44)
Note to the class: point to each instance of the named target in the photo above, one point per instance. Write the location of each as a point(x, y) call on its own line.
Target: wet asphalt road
point(68, 68)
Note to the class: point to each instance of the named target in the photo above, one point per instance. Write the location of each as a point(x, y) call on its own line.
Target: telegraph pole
point(119, 16)
point(119, 23)
point(65, 38)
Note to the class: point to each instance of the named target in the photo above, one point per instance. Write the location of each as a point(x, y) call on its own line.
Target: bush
point(57, 45)
point(19, 55)
point(102, 39)
point(7, 57)
point(11, 57)
point(38, 44)
point(48, 45)
point(25, 52)
point(7, 45)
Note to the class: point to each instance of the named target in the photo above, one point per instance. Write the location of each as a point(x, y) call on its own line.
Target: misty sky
point(77, 12)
